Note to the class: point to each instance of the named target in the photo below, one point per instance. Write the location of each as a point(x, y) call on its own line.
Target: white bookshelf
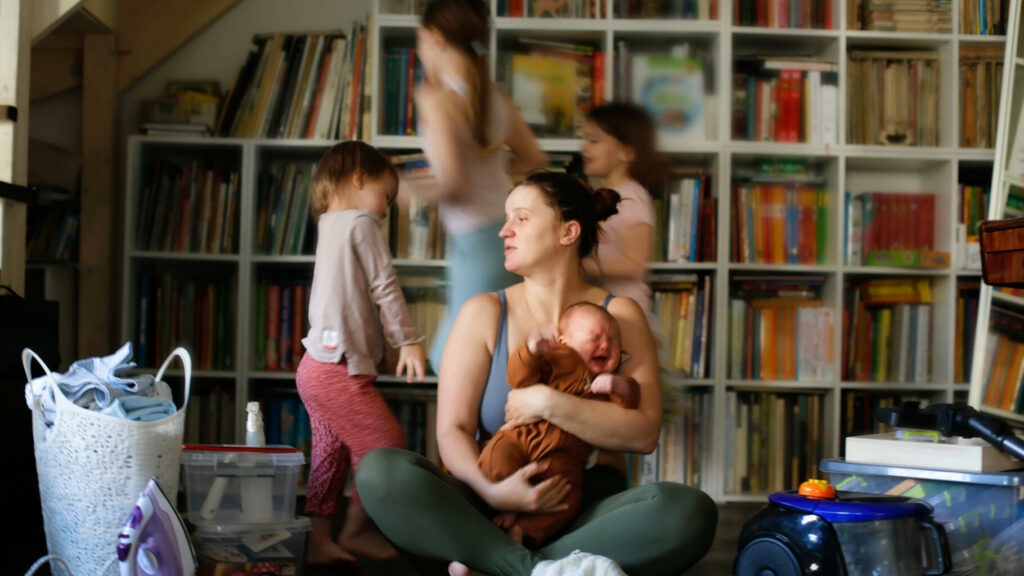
point(845, 167)
point(1004, 176)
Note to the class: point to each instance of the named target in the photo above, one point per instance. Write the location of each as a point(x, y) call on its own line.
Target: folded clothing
point(100, 384)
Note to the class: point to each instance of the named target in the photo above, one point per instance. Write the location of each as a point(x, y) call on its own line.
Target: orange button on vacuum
point(817, 489)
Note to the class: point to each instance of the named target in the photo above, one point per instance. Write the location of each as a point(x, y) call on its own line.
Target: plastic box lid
point(211, 454)
point(238, 530)
point(990, 478)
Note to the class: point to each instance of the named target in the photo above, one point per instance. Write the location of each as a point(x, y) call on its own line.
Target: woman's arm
point(526, 153)
point(463, 378)
point(604, 424)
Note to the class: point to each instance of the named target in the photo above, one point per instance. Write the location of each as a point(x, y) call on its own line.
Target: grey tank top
point(492, 408)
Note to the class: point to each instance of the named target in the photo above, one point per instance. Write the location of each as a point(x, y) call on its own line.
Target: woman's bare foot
point(329, 553)
point(460, 569)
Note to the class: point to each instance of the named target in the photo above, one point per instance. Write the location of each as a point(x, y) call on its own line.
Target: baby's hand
point(542, 341)
point(603, 383)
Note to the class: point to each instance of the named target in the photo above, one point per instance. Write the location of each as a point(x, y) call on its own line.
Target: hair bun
point(606, 202)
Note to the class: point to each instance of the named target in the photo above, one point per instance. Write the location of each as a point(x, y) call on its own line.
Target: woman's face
point(531, 230)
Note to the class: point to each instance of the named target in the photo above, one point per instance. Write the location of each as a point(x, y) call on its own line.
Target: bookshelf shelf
point(838, 168)
point(184, 256)
point(1010, 299)
point(996, 372)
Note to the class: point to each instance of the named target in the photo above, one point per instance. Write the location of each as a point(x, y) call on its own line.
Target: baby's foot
point(329, 553)
point(505, 520)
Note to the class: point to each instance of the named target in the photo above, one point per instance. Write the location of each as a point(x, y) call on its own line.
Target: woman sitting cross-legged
point(440, 520)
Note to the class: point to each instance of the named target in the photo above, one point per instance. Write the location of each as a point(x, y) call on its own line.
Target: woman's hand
point(527, 405)
point(517, 494)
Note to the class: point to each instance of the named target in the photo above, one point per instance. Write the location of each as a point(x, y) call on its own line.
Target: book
point(959, 454)
point(544, 90)
point(671, 89)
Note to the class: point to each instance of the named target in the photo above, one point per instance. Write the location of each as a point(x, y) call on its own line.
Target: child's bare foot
point(368, 543)
point(329, 553)
point(505, 520)
point(460, 569)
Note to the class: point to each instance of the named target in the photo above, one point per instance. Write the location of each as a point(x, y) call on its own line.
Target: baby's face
point(595, 339)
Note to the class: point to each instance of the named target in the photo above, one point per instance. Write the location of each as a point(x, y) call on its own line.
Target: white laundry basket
point(92, 468)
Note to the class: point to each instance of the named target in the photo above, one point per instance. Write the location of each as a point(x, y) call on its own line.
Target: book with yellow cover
point(544, 90)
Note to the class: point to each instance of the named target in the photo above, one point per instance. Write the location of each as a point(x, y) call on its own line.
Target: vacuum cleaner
point(154, 541)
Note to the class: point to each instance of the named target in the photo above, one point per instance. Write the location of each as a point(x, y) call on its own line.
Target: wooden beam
point(97, 257)
point(56, 65)
point(150, 30)
point(72, 16)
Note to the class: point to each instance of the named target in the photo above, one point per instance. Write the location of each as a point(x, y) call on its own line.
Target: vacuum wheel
point(767, 557)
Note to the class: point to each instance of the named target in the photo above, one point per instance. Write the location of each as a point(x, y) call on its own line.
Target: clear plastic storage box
point(973, 508)
point(226, 484)
point(255, 549)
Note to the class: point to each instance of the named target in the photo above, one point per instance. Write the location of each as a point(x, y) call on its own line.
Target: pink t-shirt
point(636, 207)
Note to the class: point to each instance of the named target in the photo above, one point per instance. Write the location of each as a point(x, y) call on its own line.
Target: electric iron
point(154, 541)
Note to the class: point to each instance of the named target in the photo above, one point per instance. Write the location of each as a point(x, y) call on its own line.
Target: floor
point(718, 562)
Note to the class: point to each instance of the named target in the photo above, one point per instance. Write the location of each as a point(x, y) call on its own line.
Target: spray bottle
point(257, 491)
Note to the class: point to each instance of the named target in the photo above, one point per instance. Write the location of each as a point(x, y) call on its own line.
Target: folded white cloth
point(578, 564)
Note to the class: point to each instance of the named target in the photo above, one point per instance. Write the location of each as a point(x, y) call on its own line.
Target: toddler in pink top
point(356, 307)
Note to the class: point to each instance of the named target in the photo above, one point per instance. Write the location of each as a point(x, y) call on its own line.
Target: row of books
point(281, 319)
point(300, 86)
point(547, 9)
point(779, 100)
point(685, 216)
point(1004, 360)
point(898, 92)
point(682, 309)
point(981, 78)
point(670, 9)
point(879, 223)
point(815, 14)
point(781, 339)
point(189, 207)
point(284, 225)
point(683, 447)
point(210, 416)
point(280, 322)
point(774, 440)
point(193, 310)
point(983, 17)
point(966, 319)
point(779, 223)
point(52, 234)
point(888, 331)
point(402, 73)
point(925, 16)
point(972, 208)
point(415, 232)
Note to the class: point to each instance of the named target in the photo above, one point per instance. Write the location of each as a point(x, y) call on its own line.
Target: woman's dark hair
point(632, 126)
point(573, 199)
point(337, 166)
point(465, 25)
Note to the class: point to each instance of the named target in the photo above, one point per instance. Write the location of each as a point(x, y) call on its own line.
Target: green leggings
point(657, 529)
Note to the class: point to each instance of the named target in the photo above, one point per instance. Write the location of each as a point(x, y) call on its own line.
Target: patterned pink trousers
point(348, 418)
